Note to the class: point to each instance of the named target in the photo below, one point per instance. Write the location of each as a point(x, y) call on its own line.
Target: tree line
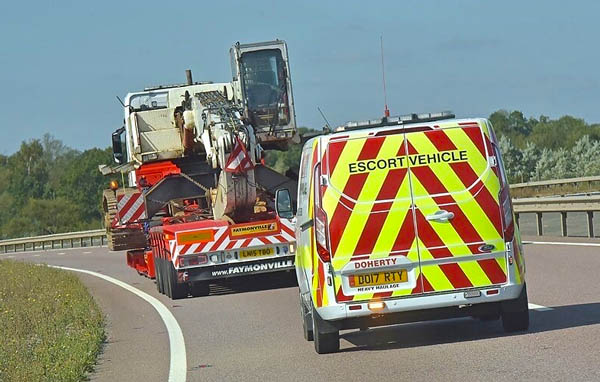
point(543, 148)
point(47, 187)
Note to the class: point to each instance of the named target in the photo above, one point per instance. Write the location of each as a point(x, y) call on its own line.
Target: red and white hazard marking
point(131, 207)
point(239, 160)
point(223, 240)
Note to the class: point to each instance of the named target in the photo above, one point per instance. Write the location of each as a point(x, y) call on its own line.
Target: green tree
point(511, 156)
point(585, 157)
point(28, 172)
point(82, 184)
point(44, 217)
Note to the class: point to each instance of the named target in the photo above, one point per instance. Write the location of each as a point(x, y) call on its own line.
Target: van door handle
point(440, 216)
point(306, 225)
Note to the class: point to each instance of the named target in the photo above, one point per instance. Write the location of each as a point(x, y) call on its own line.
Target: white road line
point(563, 243)
point(10, 257)
point(539, 308)
point(86, 253)
point(178, 363)
point(38, 255)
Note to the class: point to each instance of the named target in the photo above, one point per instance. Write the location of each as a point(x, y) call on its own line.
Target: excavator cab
point(262, 84)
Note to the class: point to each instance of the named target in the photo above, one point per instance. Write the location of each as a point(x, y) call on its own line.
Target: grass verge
point(51, 329)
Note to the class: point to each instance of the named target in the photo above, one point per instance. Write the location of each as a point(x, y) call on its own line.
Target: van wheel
point(326, 336)
point(176, 290)
point(200, 289)
point(515, 313)
point(307, 323)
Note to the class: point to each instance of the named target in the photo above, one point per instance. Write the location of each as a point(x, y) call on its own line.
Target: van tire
point(307, 322)
point(327, 339)
point(515, 313)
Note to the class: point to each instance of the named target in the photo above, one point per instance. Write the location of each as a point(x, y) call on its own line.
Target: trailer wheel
point(157, 272)
point(167, 278)
point(327, 337)
point(200, 289)
point(177, 290)
point(163, 276)
point(515, 313)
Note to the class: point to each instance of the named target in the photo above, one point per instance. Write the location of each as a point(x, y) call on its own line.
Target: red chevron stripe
point(431, 239)
point(215, 245)
point(185, 249)
point(140, 211)
point(353, 187)
point(321, 281)
point(406, 235)
point(287, 229)
point(383, 294)
point(481, 194)
point(468, 176)
point(380, 211)
point(128, 204)
point(333, 153)
point(493, 270)
point(341, 297)
point(422, 286)
point(476, 136)
point(456, 275)
point(433, 186)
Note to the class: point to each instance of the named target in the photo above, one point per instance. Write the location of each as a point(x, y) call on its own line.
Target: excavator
point(196, 202)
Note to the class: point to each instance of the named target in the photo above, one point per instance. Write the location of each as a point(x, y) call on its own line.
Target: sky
point(64, 62)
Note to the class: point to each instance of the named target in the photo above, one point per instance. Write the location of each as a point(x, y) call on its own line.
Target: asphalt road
point(252, 330)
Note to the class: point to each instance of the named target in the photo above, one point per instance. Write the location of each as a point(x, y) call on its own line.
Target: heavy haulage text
point(406, 161)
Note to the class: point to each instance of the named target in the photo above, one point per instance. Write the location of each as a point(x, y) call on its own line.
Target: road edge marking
point(178, 361)
point(539, 308)
point(562, 243)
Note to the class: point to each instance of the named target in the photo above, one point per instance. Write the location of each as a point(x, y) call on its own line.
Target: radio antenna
point(386, 111)
point(326, 121)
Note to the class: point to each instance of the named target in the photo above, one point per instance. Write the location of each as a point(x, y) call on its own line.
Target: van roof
point(375, 125)
point(402, 122)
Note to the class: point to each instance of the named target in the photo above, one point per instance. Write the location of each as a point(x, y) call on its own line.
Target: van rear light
point(321, 234)
point(506, 208)
point(506, 213)
point(320, 219)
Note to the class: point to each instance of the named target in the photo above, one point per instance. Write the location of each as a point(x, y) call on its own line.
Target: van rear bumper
point(421, 308)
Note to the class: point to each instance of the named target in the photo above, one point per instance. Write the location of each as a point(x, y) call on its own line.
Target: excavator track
point(119, 239)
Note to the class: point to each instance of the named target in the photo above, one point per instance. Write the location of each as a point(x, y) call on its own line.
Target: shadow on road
point(467, 329)
point(254, 283)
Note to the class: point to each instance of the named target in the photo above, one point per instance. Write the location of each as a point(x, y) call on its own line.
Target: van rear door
point(371, 228)
point(455, 188)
